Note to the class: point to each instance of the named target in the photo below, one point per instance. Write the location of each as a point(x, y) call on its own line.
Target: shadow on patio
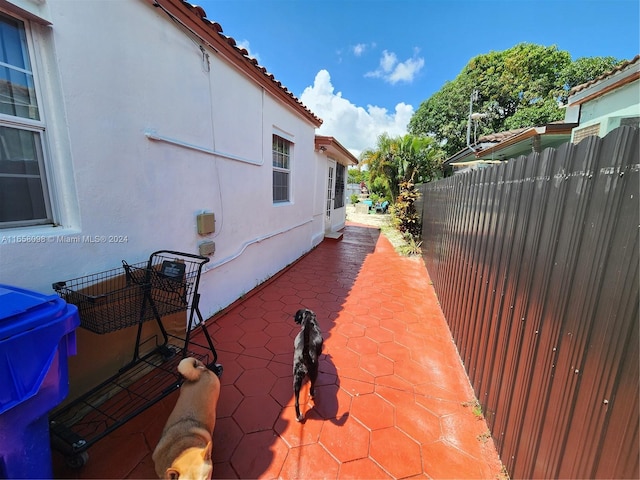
point(392, 401)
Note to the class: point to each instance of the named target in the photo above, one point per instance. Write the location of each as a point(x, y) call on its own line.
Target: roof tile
point(618, 68)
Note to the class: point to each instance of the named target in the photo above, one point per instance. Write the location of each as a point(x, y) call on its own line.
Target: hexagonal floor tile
point(346, 442)
point(362, 468)
point(373, 411)
point(396, 452)
point(226, 437)
point(259, 455)
point(296, 433)
point(255, 382)
point(306, 461)
point(376, 364)
point(442, 460)
point(331, 402)
point(255, 414)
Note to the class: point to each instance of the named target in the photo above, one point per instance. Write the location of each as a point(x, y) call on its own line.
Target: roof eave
point(612, 81)
point(549, 129)
point(331, 146)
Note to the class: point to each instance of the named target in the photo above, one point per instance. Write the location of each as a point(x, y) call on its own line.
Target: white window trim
point(39, 126)
point(289, 171)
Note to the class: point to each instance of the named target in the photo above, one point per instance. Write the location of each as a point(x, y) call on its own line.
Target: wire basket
point(133, 294)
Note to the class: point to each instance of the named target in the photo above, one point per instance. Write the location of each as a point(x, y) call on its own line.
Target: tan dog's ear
point(206, 453)
point(172, 474)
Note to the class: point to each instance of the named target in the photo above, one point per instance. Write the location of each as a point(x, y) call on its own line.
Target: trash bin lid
point(20, 309)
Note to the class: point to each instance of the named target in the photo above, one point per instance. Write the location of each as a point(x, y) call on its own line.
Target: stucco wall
point(611, 107)
point(112, 72)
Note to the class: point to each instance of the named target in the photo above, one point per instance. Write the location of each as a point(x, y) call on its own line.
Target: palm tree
point(403, 159)
point(382, 163)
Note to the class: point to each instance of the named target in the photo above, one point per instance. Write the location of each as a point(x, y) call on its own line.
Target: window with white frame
point(338, 198)
point(281, 169)
point(24, 198)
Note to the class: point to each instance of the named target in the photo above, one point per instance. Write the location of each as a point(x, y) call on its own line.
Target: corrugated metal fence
point(535, 263)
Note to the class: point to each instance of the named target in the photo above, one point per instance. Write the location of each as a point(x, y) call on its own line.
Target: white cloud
point(359, 49)
point(356, 128)
point(392, 71)
point(387, 62)
point(245, 44)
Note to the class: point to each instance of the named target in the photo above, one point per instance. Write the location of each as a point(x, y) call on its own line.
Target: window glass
point(24, 198)
point(21, 181)
point(17, 90)
point(338, 198)
point(281, 172)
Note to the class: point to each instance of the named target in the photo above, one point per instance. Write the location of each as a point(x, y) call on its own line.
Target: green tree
point(517, 87)
point(583, 70)
point(402, 159)
point(357, 175)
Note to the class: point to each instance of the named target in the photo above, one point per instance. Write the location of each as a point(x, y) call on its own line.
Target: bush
point(354, 198)
point(411, 246)
point(404, 214)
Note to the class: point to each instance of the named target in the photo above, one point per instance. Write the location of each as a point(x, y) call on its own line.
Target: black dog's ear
point(299, 315)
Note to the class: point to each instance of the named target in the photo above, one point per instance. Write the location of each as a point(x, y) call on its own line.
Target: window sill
point(38, 234)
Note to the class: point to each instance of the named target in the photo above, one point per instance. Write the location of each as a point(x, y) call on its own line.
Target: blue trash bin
point(37, 335)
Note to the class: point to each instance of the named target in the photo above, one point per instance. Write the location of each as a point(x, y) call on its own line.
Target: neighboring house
point(607, 102)
point(122, 121)
point(593, 108)
point(498, 147)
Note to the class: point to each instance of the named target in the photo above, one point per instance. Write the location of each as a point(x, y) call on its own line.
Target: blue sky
point(364, 67)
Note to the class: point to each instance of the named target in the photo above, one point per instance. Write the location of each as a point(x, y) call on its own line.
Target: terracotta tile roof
point(501, 136)
point(195, 19)
point(619, 68)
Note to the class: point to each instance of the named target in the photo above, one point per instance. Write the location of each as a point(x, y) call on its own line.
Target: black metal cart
point(124, 297)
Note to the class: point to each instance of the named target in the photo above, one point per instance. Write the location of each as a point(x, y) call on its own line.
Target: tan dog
point(184, 450)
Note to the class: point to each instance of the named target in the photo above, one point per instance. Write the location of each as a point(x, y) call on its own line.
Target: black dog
point(306, 352)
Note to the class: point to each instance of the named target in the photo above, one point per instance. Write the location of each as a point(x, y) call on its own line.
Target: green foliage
point(583, 70)
point(411, 246)
point(538, 113)
point(404, 214)
point(378, 187)
point(517, 87)
point(401, 159)
point(354, 198)
point(356, 175)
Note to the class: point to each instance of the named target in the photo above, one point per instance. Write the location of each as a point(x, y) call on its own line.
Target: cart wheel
point(166, 352)
point(78, 460)
point(217, 369)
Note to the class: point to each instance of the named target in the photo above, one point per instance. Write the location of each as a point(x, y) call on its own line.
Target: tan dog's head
point(193, 464)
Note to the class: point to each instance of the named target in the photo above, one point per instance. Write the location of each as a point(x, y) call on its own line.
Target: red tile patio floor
point(392, 401)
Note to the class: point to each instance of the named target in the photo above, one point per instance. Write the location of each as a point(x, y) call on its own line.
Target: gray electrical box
point(207, 248)
point(206, 223)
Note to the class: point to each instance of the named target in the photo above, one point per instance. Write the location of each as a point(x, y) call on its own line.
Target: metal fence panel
point(536, 266)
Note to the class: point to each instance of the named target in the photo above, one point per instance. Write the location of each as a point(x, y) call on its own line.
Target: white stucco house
point(607, 102)
point(122, 121)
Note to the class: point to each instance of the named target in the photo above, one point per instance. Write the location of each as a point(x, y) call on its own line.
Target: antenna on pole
point(473, 116)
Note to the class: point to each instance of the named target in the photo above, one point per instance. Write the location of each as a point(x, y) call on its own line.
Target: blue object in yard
point(37, 335)
point(368, 202)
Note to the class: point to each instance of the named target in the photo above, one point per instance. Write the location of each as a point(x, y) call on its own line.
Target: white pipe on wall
point(212, 266)
point(153, 135)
